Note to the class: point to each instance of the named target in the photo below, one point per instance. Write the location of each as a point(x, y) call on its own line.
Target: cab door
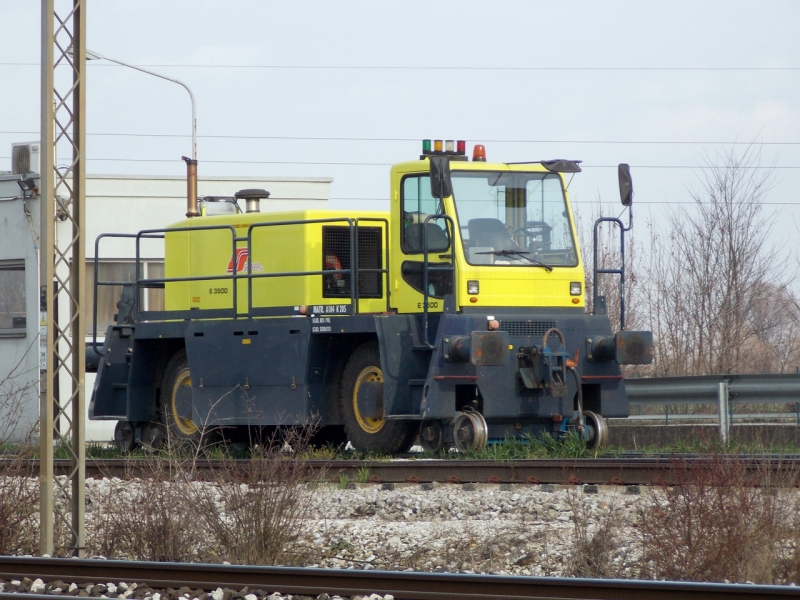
point(418, 217)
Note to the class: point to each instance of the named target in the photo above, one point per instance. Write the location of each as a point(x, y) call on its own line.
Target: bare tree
point(710, 270)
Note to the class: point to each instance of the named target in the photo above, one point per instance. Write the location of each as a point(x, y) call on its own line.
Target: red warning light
point(461, 147)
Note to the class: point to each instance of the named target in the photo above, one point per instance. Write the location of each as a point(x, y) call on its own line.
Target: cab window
point(417, 205)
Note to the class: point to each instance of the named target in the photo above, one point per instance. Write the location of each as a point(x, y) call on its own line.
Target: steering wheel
point(534, 228)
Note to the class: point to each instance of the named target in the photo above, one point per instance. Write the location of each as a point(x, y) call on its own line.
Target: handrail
point(621, 271)
point(142, 282)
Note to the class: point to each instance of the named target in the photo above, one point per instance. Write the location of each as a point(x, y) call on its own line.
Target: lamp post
point(96, 56)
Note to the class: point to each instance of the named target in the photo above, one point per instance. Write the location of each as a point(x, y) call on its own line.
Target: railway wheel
point(176, 402)
point(470, 431)
point(124, 437)
point(361, 404)
point(431, 436)
point(597, 434)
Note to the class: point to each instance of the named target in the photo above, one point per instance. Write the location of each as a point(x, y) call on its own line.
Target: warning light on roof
point(457, 150)
point(479, 153)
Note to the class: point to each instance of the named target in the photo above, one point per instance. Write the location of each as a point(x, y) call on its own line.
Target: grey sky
point(508, 100)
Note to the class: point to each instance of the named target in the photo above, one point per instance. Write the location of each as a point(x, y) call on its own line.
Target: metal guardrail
point(724, 391)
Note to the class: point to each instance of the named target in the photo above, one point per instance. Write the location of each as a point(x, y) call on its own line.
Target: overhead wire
point(422, 67)
point(388, 164)
point(408, 139)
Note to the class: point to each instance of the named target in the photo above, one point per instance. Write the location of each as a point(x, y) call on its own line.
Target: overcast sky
point(280, 84)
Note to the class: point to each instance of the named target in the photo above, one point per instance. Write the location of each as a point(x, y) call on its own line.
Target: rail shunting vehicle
point(457, 318)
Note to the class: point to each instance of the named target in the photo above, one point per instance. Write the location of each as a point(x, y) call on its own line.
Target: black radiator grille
point(336, 255)
point(526, 328)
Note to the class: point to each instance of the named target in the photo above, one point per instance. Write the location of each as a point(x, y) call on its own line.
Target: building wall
point(19, 344)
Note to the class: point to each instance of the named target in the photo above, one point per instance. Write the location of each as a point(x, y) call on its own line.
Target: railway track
point(348, 583)
point(598, 471)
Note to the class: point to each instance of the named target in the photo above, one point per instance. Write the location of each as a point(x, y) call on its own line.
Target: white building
point(114, 204)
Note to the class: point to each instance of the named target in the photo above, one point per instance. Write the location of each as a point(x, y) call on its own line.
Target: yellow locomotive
point(455, 319)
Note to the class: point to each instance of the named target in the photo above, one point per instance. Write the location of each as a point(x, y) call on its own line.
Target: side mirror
point(625, 184)
point(441, 184)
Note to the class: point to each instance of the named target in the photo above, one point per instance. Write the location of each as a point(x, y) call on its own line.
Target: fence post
point(724, 422)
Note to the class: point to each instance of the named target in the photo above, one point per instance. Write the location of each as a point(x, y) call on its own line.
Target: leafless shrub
point(718, 522)
point(17, 387)
point(253, 512)
point(596, 540)
point(148, 515)
point(19, 505)
point(19, 490)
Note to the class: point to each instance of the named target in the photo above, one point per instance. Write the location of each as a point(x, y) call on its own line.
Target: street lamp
point(96, 56)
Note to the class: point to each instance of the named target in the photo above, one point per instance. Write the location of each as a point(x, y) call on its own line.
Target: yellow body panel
point(277, 248)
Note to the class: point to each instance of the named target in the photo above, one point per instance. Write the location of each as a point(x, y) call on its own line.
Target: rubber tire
point(394, 436)
point(180, 431)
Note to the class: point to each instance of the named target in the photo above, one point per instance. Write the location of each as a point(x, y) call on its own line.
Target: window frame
point(440, 206)
point(16, 264)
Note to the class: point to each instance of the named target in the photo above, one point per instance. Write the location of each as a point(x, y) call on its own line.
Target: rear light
point(473, 287)
point(575, 288)
point(479, 153)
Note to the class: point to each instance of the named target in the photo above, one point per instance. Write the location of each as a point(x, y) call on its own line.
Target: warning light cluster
point(455, 149)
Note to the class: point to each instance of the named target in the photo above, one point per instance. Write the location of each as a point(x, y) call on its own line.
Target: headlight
point(575, 288)
point(473, 287)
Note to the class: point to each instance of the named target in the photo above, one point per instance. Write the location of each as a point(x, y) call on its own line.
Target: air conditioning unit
point(24, 158)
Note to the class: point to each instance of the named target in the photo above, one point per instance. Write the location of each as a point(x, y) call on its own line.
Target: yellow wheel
point(363, 413)
point(176, 400)
point(367, 423)
point(180, 393)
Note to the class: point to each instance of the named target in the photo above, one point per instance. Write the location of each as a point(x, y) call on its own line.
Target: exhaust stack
point(252, 198)
point(191, 187)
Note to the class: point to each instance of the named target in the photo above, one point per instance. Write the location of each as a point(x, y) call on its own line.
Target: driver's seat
point(489, 233)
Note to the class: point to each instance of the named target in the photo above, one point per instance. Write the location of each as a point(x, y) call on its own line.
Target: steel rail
point(617, 471)
point(406, 585)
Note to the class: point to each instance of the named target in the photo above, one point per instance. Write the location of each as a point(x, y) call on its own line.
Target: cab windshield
point(510, 218)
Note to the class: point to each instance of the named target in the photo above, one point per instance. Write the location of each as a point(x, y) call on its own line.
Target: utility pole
point(62, 268)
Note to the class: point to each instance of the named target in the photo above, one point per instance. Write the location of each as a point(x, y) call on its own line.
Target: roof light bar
point(456, 149)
